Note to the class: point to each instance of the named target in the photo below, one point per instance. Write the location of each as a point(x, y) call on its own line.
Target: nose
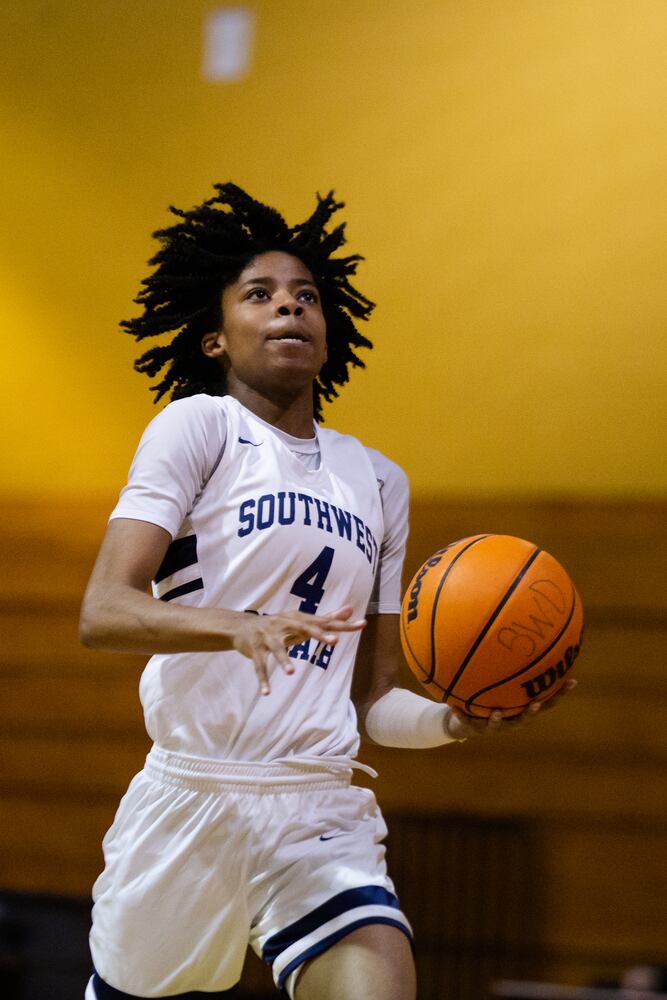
point(290, 308)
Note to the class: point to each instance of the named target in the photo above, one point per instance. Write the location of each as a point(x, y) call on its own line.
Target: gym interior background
point(502, 162)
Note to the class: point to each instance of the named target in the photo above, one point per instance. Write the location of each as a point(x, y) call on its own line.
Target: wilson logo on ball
point(417, 583)
point(543, 682)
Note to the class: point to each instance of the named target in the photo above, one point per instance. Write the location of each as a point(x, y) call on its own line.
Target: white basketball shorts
point(205, 857)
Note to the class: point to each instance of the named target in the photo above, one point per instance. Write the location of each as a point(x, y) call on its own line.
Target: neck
point(292, 415)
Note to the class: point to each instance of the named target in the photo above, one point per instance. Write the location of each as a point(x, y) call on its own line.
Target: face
point(273, 334)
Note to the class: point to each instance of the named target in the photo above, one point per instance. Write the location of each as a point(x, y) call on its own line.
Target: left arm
point(388, 714)
point(376, 670)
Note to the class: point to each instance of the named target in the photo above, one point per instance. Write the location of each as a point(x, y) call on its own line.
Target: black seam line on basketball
point(454, 701)
point(431, 674)
point(490, 687)
point(412, 652)
point(409, 645)
point(414, 657)
point(473, 649)
point(404, 630)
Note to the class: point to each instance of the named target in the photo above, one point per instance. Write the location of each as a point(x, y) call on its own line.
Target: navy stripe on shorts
point(350, 899)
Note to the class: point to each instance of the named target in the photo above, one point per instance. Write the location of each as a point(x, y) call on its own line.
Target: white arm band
point(403, 719)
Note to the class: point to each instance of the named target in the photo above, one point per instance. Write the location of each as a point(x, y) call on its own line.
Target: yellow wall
point(504, 167)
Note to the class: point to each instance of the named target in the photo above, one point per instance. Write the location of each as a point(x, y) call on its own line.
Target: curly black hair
point(205, 252)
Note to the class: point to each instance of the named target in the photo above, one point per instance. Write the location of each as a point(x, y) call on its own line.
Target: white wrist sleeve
point(403, 719)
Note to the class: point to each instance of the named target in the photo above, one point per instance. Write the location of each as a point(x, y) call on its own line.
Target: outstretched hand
point(261, 636)
point(462, 727)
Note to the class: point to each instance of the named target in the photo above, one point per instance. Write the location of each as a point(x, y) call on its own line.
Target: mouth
point(290, 337)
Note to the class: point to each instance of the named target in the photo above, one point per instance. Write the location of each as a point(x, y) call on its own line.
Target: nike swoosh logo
point(331, 836)
point(244, 441)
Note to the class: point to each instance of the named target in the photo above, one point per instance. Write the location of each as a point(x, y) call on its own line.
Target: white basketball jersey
point(268, 535)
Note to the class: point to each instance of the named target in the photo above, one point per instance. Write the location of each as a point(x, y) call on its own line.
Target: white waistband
point(205, 774)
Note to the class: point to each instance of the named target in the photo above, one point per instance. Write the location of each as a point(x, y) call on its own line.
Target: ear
point(213, 344)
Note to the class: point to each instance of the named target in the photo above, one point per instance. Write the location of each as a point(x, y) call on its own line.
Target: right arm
point(118, 614)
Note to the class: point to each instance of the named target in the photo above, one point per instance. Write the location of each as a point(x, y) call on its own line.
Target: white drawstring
point(335, 764)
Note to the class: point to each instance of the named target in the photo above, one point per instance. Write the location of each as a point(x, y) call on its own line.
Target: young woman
point(272, 544)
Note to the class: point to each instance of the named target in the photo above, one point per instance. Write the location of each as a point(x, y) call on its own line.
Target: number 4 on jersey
point(309, 586)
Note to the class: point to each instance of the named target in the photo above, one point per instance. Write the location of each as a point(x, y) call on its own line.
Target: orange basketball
point(491, 622)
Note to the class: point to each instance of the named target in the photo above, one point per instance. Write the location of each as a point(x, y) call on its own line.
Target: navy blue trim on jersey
point(185, 588)
point(334, 937)
point(366, 895)
point(105, 992)
point(181, 553)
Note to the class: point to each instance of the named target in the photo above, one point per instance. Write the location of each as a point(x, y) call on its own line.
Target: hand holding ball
point(491, 622)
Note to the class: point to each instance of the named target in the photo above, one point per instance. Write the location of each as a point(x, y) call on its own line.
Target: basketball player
point(271, 543)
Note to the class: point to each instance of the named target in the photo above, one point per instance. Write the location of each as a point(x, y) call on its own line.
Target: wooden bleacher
point(590, 778)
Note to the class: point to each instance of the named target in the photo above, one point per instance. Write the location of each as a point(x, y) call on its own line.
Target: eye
point(258, 293)
point(307, 295)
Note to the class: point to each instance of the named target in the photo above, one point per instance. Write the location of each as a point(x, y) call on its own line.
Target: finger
point(458, 725)
point(469, 726)
point(278, 650)
point(495, 721)
point(463, 719)
point(338, 625)
point(528, 713)
point(569, 685)
point(342, 613)
point(300, 623)
point(321, 629)
point(261, 669)
point(309, 630)
point(341, 619)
